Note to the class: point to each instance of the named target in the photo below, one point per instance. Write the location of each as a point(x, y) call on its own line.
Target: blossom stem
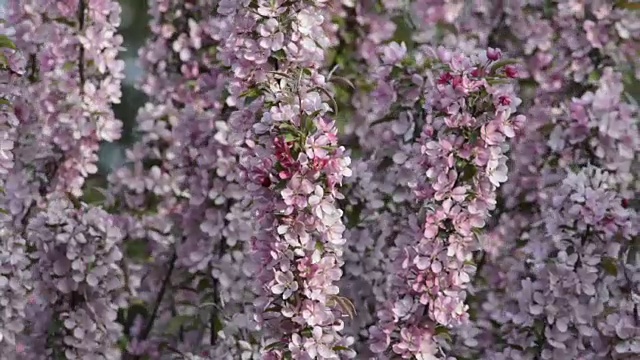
point(158, 301)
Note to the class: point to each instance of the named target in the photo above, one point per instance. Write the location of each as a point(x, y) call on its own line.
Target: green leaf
point(496, 82)
point(289, 137)
point(5, 42)
point(634, 251)
point(203, 284)
point(326, 92)
point(137, 249)
point(628, 5)
point(123, 343)
point(353, 216)
point(69, 65)
point(274, 345)
point(178, 322)
point(473, 136)
point(443, 332)
point(94, 195)
point(283, 74)
point(388, 118)
point(330, 55)
point(136, 309)
point(609, 266)
point(217, 324)
point(548, 8)
point(468, 172)
point(547, 129)
point(539, 327)
point(65, 21)
point(404, 31)
point(345, 305)
point(502, 63)
point(340, 348)
point(74, 200)
point(470, 262)
point(274, 308)
point(252, 93)
point(279, 55)
point(342, 81)
point(366, 86)
point(312, 116)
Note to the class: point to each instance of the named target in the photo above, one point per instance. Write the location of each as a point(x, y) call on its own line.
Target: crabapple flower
point(294, 169)
point(77, 80)
point(79, 281)
point(464, 167)
point(184, 169)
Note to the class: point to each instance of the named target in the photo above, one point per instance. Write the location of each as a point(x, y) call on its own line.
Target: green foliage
point(5, 42)
point(625, 4)
point(179, 323)
point(137, 250)
point(609, 266)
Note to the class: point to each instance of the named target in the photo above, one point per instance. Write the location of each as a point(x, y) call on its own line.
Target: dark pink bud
point(494, 54)
point(445, 78)
point(477, 72)
point(457, 81)
point(510, 71)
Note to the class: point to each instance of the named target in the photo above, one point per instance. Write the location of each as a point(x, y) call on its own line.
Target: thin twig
point(163, 288)
point(81, 10)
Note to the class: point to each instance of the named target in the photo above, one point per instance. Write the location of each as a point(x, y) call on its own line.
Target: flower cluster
point(591, 231)
point(59, 81)
point(323, 179)
point(12, 65)
point(465, 116)
point(294, 169)
point(183, 169)
point(14, 261)
point(574, 56)
point(296, 178)
point(79, 282)
point(583, 237)
point(72, 45)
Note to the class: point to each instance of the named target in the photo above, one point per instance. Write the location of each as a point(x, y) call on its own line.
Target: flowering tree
point(323, 179)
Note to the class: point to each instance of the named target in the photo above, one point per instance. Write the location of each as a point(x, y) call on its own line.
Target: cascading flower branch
point(12, 69)
point(467, 105)
point(296, 176)
point(14, 262)
point(61, 278)
point(295, 167)
point(73, 48)
point(566, 286)
point(184, 166)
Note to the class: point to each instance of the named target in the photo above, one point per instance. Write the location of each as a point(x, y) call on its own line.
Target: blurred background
point(135, 30)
